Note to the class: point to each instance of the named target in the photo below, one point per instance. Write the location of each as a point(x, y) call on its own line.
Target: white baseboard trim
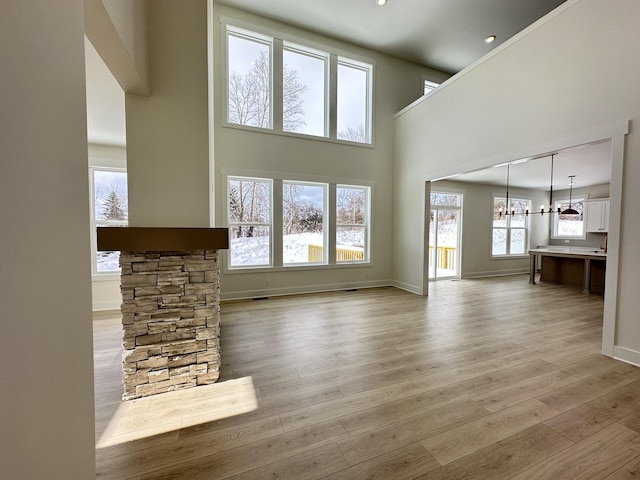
point(495, 273)
point(279, 292)
point(99, 306)
point(626, 355)
point(407, 287)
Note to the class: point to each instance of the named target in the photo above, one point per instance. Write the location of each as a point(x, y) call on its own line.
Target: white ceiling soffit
point(446, 35)
point(591, 165)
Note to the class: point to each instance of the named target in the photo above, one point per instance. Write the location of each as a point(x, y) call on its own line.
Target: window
point(249, 221)
point(295, 98)
point(510, 227)
point(352, 223)
point(303, 214)
point(569, 226)
point(429, 86)
point(304, 74)
point(249, 79)
point(285, 223)
point(110, 208)
point(353, 101)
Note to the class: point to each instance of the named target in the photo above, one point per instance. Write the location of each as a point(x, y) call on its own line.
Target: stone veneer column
point(170, 317)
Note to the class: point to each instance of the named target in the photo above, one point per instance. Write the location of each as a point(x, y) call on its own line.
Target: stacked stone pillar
point(171, 320)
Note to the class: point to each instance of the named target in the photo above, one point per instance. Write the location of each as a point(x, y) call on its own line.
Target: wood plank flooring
point(484, 379)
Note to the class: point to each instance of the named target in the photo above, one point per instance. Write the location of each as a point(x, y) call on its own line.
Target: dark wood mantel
point(139, 239)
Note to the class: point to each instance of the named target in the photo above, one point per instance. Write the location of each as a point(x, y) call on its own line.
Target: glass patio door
point(444, 235)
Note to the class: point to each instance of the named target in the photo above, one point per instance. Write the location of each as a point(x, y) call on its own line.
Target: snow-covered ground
point(255, 250)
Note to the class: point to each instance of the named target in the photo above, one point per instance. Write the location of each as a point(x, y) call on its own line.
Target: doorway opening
point(445, 239)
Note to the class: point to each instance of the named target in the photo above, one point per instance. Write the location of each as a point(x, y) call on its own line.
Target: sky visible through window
point(309, 69)
point(310, 73)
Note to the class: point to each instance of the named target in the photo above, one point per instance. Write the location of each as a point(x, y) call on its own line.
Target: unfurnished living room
point(320, 240)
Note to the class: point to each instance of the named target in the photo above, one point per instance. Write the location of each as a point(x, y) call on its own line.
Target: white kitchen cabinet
point(597, 215)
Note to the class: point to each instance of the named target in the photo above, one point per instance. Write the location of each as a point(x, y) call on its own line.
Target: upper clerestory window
point(285, 87)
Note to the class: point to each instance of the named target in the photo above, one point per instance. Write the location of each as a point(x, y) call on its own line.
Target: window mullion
point(277, 84)
point(331, 224)
point(277, 232)
point(333, 96)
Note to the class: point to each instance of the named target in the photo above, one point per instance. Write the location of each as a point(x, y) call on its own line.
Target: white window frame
point(319, 55)
point(278, 40)
point(277, 234)
point(94, 223)
point(269, 224)
point(509, 228)
point(556, 218)
point(366, 224)
point(257, 37)
point(368, 69)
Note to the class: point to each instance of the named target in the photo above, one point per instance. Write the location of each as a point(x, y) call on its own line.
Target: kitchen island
point(580, 266)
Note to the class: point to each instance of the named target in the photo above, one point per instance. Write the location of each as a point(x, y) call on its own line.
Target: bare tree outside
point(353, 134)
point(249, 203)
point(249, 96)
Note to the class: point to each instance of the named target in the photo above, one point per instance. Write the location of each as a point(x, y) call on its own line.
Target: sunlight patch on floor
point(166, 412)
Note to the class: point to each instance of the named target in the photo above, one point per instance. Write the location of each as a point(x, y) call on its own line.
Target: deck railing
point(344, 253)
point(446, 257)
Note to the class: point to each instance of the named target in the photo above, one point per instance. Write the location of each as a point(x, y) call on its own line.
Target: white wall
point(397, 83)
point(118, 31)
point(46, 404)
point(168, 131)
point(554, 84)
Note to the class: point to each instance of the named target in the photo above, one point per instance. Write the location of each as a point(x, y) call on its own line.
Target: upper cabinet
point(597, 215)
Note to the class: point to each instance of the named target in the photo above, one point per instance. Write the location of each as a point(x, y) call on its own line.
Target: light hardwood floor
point(484, 379)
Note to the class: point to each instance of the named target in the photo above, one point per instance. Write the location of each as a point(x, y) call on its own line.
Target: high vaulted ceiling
point(446, 35)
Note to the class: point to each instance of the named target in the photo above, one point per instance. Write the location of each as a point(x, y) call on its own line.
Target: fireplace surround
point(170, 286)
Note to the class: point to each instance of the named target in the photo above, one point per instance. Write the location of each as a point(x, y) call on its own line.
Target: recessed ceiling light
point(490, 39)
point(381, 2)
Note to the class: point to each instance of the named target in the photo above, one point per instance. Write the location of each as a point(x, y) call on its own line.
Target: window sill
point(302, 136)
point(293, 268)
point(105, 277)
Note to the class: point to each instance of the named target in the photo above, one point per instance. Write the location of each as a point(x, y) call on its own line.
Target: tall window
point(249, 79)
point(352, 224)
point(510, 227)
point(304, 103)
point(303, 216)
point(353, 101)
point(569, 226)
point(110, 208)
point(294, 99)
point(249, 221)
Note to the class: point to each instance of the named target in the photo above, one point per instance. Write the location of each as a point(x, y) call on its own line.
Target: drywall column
point(168, 131)
point(46, 404)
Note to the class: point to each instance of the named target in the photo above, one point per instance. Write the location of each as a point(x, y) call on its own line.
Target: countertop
point(575, 252)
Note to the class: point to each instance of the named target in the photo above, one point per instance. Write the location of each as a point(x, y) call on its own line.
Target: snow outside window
point(510, 227)
point(569, 226)
point(303, 228)
point(352, 224)
point(110, 209)
point(249, 221)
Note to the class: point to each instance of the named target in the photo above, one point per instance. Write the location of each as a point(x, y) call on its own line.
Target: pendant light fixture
point(542, 210)
point(570, 210)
